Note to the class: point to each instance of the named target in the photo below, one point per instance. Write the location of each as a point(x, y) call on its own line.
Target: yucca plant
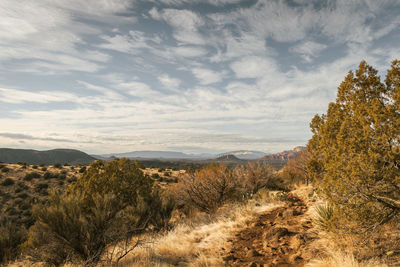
point(324, 216)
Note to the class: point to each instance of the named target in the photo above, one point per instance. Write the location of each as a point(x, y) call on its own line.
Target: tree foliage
point(356, 148)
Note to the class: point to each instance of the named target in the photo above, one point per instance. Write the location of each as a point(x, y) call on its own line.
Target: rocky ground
point(280, 237)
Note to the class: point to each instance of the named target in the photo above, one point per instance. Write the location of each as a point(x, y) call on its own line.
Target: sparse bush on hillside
point(7, 182)
point(110, 204)
point(44, 169)
point(83, 169)
point(57, 165)
point(5, 169)
point(32, 175)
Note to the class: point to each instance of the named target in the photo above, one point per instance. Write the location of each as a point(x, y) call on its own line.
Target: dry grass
point(199, 242)
point(331, 250)
point(342, 259)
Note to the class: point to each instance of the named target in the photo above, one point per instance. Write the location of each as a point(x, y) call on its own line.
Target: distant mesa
point(228, 157)
point(49, 157)
point(285, 155)
point(244, 154)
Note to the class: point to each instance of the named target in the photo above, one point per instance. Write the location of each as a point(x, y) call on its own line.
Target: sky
point(196, 76)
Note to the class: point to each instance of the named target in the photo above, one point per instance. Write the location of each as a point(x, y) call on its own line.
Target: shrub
point(72, 179)
point(83, 169)
point(5, 169)
point(258, 175)
point(155, 176)
point(11, 236)
point(32, 175)
point(22, 185)
point(48, 175)
point(41, 186)
point(57, 165)
point(167, 174)
point(111, 203)
point(295, 171)
point(7, 182)
point(44, 169)
point(208, 188)
point(34, 167)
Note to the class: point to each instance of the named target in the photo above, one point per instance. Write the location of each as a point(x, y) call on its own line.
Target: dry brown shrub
point(208, 188)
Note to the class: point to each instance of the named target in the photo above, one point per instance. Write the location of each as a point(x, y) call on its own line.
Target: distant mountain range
point(240, 154)
point(149, 154)
point(70, 156)
point(75, 157)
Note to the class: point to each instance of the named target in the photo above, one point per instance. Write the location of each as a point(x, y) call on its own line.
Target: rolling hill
point(70, 156)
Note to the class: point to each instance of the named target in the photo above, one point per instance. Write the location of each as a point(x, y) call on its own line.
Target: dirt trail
point(276, 238)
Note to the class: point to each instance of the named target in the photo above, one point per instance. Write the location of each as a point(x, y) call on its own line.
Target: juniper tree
point(356, 147)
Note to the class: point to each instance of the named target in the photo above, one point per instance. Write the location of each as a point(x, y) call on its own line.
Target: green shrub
point(7, 182)
point(44, 169)
point(41, 186)
point(48, 175)
point(34, 167)
point(83, 169)
point(5, 169)
point(31, 176)
point(22, 185)
point(155, 176)
point(111, 203)
point(57, 165)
